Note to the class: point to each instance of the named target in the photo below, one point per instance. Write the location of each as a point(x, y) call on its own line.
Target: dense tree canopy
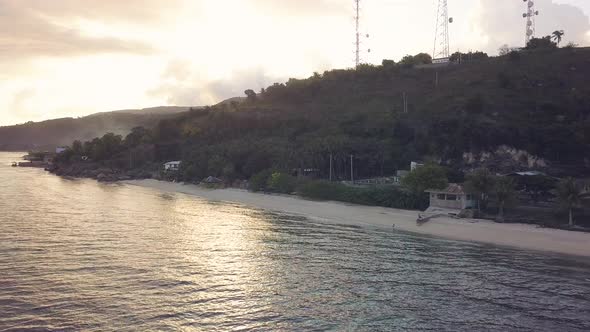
point(540, 104)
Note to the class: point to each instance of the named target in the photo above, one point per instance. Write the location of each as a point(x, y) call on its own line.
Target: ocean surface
point(77, 255)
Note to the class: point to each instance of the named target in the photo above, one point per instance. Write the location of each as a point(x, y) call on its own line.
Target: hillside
point(51, 133)
point(534, 101)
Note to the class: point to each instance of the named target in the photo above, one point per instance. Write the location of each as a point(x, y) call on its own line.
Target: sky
point(70, 58)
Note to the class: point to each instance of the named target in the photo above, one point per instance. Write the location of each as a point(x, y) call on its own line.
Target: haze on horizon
point(72, 58)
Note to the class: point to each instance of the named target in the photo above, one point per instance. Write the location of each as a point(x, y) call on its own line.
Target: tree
point(514, 56)
point(418, 59)
point(537, 186)
point(388, 63)
point(429, 176)
point(282, 183)
point(259, 181)
point(77, 148)
point(466, 57)
point(407, 61)
point(569, 195)
point(504, 191)
point(504, 50)
point(557, 35)
point(137, 136)
point(250, 94)
point(541, 43)
point(480, 182)
point(422, 59)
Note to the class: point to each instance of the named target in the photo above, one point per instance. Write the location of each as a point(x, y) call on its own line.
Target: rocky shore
point(99, 172)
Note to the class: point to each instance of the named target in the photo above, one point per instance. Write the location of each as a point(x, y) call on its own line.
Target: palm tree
point(480, 182)
point(504, 190)
point(557, 35)
point(569, 195)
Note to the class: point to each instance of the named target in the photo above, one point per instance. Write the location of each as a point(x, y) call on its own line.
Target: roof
point(529, 173)
point(212, 179)
point(452, 188)
point(173, 163)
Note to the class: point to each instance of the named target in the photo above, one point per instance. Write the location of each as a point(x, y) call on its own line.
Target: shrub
point(282, 183)
point(259, 181)
point(514, 56)
point(386, 196)
point(504, 80)
point(429, 176)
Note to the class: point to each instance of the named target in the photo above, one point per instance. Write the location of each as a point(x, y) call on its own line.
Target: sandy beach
point(513, 235)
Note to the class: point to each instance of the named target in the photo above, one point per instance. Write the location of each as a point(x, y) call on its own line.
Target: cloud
point(134, 11)
point(305, 7)
point(500, 22)
point(185, 87)
point(32, 28)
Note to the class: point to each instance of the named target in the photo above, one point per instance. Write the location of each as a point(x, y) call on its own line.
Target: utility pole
point(405, 102)
point(351, 169)
point(330, 167)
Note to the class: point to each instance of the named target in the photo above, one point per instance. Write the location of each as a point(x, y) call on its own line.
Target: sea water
point(78, 255)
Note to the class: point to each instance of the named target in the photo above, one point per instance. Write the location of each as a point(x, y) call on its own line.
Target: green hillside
point(51, 133)
point(536, 101)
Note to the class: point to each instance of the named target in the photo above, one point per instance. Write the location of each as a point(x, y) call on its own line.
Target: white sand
point(513, 235)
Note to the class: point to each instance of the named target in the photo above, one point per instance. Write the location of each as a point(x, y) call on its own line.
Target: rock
point(467, 213)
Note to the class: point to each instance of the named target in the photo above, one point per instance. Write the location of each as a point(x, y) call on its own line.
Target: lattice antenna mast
point(530, 16)
point(441, 35)
point(357, 20)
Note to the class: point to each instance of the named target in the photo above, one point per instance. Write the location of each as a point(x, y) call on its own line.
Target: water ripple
point(78, 255)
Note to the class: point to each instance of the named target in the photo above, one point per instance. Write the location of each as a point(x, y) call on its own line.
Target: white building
point(414, 165)
point(60, 149)
point(452, 197)
point(172, 166)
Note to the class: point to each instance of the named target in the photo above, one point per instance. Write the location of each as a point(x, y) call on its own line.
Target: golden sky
point(62, 58)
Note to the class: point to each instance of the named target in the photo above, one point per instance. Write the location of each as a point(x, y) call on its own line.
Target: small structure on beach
point(453, 196)
point(172, 166)
point(212, 180)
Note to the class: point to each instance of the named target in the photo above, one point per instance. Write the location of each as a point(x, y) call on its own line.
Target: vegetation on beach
point(569, 195)
point(535, 100)
point(429, 176)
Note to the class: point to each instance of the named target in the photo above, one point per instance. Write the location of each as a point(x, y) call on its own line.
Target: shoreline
point(520, 236)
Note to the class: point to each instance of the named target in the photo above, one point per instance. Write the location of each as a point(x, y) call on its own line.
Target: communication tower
point(530, 16)
point(358, 35)
point(441, 34)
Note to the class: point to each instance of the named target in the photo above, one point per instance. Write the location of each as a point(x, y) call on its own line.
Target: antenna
point(358, 42)
point(441, 34)
point(530, 16)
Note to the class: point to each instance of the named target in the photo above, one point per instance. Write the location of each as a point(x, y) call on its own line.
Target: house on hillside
point(415, 164)
point(453, 196)
point(584, 185)
point(172, 166)
point(312, 173)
